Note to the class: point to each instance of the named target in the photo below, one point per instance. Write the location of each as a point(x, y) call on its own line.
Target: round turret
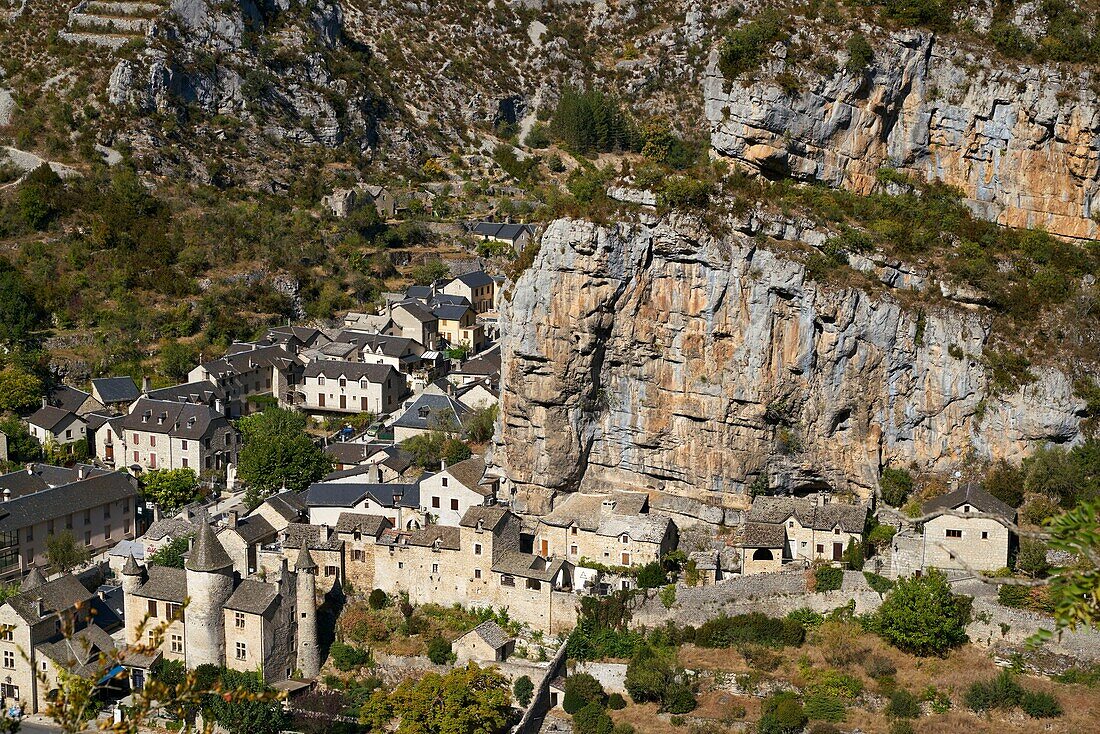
point(309, 653)
point(209, 585)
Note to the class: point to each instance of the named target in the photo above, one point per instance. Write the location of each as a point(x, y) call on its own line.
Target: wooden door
point(838, 551)
point(545, 547)
point(343, 402)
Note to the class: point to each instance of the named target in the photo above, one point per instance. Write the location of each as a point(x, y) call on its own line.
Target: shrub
point(879, 666)
point(1003, 692)
point(903, 705)
point(881, 584)
point(377, 599)
point(755, 627)
point(1037, 510)
point(806, 617)
point(1014, 596)
point(592, 719)
point(896, 485)
point(678, 699)
point(1032, 558)
point(901, 726)
point(881, 536)
point(822, 727)
point(1040, 705)
point(651, 575)
point(828, 578)
point(824, 707)
point(922, 616)
point(782, 714)
point(743, 49)
point(616, 702)
point(523, 689)
point(647, 676)
point(1005, 482)
point(581, 689)
point(346, 657)
point(860, 53)
point(439, 651)
point(840, 642)
point(854, 555)
point(623, 728)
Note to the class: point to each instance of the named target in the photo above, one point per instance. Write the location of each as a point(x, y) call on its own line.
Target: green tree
point(1075, 590)
point(171, 489)
point(1032, 558)
point(922, 616)
point(782, 713)
point(581, 689)
point(1005, 482)
point(896, 486)
point(470, 700)
point(176, 359)
point(20, 391)
point(523, 689)
point(22, 313)
point(171, 555)
point(278, 452)
point(439, 650)
point(592, 719)
point(429, 272)
point(651, 575)
point(22, 446)
point(591, 121)
point(481, 424)
point(39, 197)
point(259, 715)
point(63, 552)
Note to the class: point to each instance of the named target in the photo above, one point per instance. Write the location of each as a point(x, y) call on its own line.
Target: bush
point(1003, 692)
point(750, 628)
point(651, 575)
point(922, 616)
point(744, 48)
point(523, 689)
point(1032, 558)
point(896, 485)
point(828, 578)
point(678, 699)
point(668, 596)
point(377, 599)
point(824, 707)
point(1040, 705)
point(439, 651)
point(1005, 482)
point(903, 705)
point(616, 702)
point(581, 689)
point(881, 584)
point(860, 53)
point(901, 726)
point(881, 536)
point(782, 714)
point(806, 617)
point(879, 666)
point(1014, 596)
point(347, 657)
point(592, 719)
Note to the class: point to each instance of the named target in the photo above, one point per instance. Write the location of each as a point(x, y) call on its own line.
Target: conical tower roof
point(131, 567)
point(208, 553)
point(33, 581)
point(305, 561)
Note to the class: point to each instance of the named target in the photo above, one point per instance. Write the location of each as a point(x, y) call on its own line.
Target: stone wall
point(612, 676)
point(531, 720)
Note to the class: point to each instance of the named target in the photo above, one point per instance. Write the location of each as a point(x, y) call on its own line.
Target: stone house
point(429, 412)
point(242, 538)
point(411, 320)
point(486, 643)
point(33, 645)
point(813, 529)
point(54, 426)
point(458, 326)
point(360, 534)
point(478, 395)
point(397, 501)
point(115, 393)
point(761, 547)
point(322, 545)
point(477, 287)
point(76, 401)
point(249, 370)
point(447, 494)
point(481, 367)
point(611, 529)
point(342, 202)
point(98, 507)
point(971, 531)
point(516, 236)
point(353, 387)
point(263, 624)
point(161, 434)
point(280, 510)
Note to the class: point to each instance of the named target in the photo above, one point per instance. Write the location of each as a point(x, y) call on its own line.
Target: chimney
point(233, 518)
point(37, 606)
point(7, 494)
point(146, 384)
point(30, 469)
point(219, 406)
point(442, 465)
point(80, 472)
point(45, 402)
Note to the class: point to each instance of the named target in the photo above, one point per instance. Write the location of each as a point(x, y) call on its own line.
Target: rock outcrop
point(1021, 141)
point(655, 356)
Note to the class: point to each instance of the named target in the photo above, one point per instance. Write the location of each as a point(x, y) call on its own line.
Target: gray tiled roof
point(202, 391)
point(254, 529)
point(181, 420)
point(116, 389)
point(469, 473)
point(169, 527)
point(486, 363)
point(68, 398)
point(475, 279)
point(426, 407)
point(763, 535)
point(527, 565)
point(252, 596)
point(499, 230)
point(50, 417)
point(587, 511)
point(850, 518)
point(417, 311)
point(333, 369)
point(491, 517)
point(44, 476)
point(369, 525)
point(349, 494)
point(439, 536)
point(208, 554)
point(450, 312)
point(493, 634)
point(59, 595)
point(641, 528)
point(289, 505)
point(316, 537)
point(47, 504)
point(79, 653)
point(970, 494)
point(164, 583)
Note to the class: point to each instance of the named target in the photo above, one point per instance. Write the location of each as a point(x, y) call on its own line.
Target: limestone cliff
point(653, 355)
point(1021, 141)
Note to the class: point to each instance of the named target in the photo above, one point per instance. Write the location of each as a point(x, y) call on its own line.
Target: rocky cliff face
point(655, 356)
point(1022, 141)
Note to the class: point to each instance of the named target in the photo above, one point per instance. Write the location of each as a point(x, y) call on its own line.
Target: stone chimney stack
point(146, 384)
point(233, 516)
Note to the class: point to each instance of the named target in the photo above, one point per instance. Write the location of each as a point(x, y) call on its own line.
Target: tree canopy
point(470, 700)
point(920, 615)
point(22, 312)
point(64, 553)
point(171, 489)
point(277, 452)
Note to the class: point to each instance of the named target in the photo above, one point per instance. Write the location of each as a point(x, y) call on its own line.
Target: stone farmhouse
point(970, 530)
point(34, 645)
point(353, 387)
point(53, 426)
point(250, 624)
point(98, 507)
point(115, 393)
point(161, 434)
point(609, 529)
point(249, 370)
point(486, 643)
point(447, 494)
point(811, 530)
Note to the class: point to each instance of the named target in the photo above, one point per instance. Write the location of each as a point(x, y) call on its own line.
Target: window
point(242, 651)
point(49, 527)
point(228, 439)
point(30, 534)
point(573, 549)
point(477, 549)
point(534, 584)
point(836, 531)
point(107, 532)
point(173, 611)
point(9, 659)
point(106, 512)
point(477, 573)
point(137, 439)
point(444, 480)
point(357, 555)
point(624, 538)
point(954, 533)
point(238, 620)
point(820, 548)
point(69, 522)
point(985, 535)
point(7, 634)
point(320, 380)
point(136, 459)
point(87, 517)
point(177, 643)
point(87, 537)
point(435, 568)
point(184, 462)
point(183, 445)
point(400, 565)
point(573, 530)
point(68, 433)
point(152, 440)
point(966, 508)
point(331, 571)
point(343, 382)
point(454, 504)
point(790, 523)
point(506, 580)
point(152, 607)
point(626, 559)
point(435, 502)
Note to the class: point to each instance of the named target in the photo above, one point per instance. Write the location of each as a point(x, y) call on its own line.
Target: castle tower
point(33, 580)
point(133, 576)
point(209, 585)
point(309, 654)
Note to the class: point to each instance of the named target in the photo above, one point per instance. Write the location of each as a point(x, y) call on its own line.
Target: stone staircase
point(112, 23)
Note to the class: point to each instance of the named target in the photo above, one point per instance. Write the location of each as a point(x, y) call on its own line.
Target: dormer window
point(836, 531)
point(343, 382)
point(966, 508)
point(320, 379)
point(624, 538)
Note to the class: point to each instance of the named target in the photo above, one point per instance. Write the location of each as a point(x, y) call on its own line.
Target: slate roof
point(59, 595)
point(419, 291)
point(50, 417)
point(450, 312)
point(79, 653)
point(316, 537)
point(499, 230)
point(55, 502)
point(527, 565)
point(252, 596)
point(339, 349)
point(587, 511)
point(491, 517)
point(469, 473)
point(350, 494)
point(370, 525)
point(349, 453)
point(68, 398)
point(487, 363)
point(642, 528)
point(777, 510)
point(763, 535)
point(445, 537)
point(492, 633)
point(289, 505)
point(254, 529)
point(202, 391)
point(164, 583)
point(208, 554)
point(115, 389)
point(181, 420)
point(333, 369)
point(390, 346)
point(427, 405)
point(475, 279)
point(242, 356)
point(970, 494)
point(44, 476)
point(169, 527)
point(417, 311)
